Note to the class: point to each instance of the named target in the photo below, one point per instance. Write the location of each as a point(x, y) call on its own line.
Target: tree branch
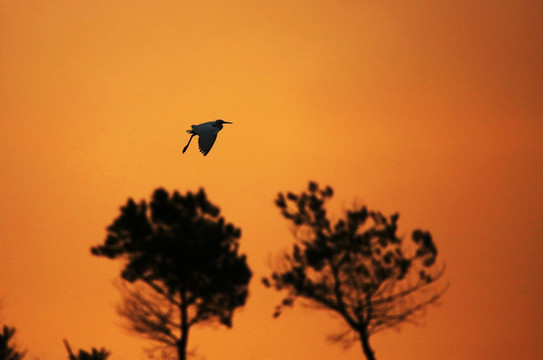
point(339, 297)
point(410, 290)
point(161, 291)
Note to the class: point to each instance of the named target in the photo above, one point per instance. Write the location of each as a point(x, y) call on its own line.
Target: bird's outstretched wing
point(205, 142)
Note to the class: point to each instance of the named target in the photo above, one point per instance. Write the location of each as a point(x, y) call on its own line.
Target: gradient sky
point(433, 109)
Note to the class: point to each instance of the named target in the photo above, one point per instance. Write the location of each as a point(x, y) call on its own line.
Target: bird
point(207, 134)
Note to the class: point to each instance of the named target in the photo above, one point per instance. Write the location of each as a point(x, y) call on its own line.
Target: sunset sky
point(433, 109)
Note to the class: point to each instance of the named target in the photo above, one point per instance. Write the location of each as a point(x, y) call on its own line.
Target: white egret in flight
point(207, 134)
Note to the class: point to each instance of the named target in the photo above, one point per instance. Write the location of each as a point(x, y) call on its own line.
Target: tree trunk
point(182, 349)
point(366, 348)
point(182, 343)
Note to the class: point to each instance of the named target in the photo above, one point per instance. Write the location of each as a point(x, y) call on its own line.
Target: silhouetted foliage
point(95, 354)
point(184, 252)
point(9, 351)
point(358, 267)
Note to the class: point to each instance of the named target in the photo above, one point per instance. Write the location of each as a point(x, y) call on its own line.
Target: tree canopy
point(8, 351)
point(357, 267)
point(94, 354)
point(184, 252)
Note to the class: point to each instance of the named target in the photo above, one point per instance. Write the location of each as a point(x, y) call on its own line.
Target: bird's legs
point(185, 148)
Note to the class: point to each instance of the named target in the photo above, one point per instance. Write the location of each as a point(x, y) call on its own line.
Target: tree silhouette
point(187, 256)
point(95, 354)
point(9, 351)
point(358, 268)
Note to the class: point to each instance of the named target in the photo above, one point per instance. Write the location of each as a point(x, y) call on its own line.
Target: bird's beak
point(227, 122)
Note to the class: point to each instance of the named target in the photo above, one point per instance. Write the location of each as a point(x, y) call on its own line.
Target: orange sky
point(432, 109)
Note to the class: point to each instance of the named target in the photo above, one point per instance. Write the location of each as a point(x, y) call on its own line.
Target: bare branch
point(147, 314)
point(162, 292)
